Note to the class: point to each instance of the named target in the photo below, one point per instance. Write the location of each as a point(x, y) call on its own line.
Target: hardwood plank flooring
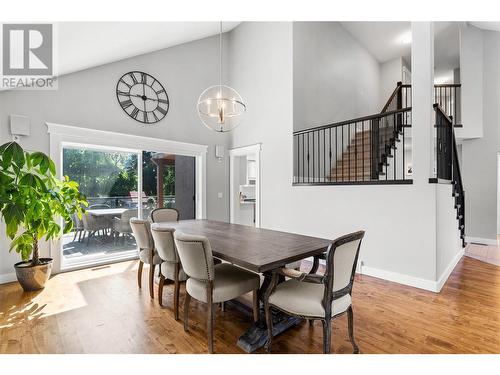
point(101, 310)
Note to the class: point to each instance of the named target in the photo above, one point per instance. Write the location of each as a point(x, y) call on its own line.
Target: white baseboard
point(483, 241)
point(447, 272)
point(399, 278)
point(7, 278)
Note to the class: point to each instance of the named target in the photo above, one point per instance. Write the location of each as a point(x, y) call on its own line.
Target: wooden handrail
point(393, 95)
point(359, 119)
point(449, 85)
point(438, 107)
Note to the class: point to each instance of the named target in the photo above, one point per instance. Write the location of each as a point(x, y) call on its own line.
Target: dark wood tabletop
point(256, 249)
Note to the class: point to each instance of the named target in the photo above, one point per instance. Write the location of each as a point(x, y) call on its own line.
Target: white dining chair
point(147, 253)
point(163, 215)
point(318, 297)
point(170, 268)
point(211, 283)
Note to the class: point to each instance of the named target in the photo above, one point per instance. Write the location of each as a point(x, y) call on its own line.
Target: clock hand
point(142, 97)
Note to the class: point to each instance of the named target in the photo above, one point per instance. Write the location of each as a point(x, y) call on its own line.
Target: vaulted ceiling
point(83, 45)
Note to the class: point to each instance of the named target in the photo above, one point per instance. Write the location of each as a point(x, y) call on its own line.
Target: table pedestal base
point(256, 336)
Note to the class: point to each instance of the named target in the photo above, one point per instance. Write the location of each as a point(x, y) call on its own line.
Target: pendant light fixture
point(220, 107)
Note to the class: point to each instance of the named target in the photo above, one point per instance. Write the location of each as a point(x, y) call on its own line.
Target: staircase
point(355, 163)
point(358, 162)
point(448, 166)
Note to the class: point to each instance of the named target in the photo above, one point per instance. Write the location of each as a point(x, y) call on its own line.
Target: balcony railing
point(365, 150)
point(130, 202)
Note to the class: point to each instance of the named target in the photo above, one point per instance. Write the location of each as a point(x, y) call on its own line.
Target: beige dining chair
point(163, 215)
point(147, 253)
point(171, 268)
point(211, 283)
point(318, 297)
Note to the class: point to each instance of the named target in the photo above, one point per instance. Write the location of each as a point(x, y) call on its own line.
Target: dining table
point(261, 251)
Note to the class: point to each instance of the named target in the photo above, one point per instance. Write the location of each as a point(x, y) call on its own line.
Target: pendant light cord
point(220, 56)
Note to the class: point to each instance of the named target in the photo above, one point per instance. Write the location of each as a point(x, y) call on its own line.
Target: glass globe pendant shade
point(221, 108)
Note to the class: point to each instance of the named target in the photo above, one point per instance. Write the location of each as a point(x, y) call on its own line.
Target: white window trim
point(61, 135)
point(241, 151)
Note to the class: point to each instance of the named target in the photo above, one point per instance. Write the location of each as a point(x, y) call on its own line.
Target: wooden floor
point(102, 311)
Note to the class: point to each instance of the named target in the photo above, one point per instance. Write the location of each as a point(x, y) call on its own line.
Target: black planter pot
point(31, 277)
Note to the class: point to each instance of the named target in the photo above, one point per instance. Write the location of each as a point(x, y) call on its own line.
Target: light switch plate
point(219, 195)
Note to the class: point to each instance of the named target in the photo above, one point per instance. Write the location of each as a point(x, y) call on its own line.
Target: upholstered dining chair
point(171, 268)
point(211, 283)
point(163, 215)
point(147, 253)
point(321, 297)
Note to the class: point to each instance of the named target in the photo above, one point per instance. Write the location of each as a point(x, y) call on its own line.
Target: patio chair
point(122, 226)
point(92, 225)
point(77, 227)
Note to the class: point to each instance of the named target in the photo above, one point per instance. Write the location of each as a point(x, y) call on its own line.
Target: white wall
point(400, 221)
point(87, 99)
point(471, 75)
point(479, 156)
point(391, 72)
point(448, 243)
point(498, 193)
point(334, 77)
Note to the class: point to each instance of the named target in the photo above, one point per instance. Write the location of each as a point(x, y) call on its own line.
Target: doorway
point(110, 179)
point(244, 189)
point(121, 181)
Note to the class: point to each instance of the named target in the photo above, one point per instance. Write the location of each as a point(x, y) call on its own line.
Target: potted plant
point(34, 204)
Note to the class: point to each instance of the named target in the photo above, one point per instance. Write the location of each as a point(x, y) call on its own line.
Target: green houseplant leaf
point(34, 204)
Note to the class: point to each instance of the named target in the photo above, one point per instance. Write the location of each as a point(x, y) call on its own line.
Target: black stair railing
point(366, 150)
point(448, 96)
point(361, 150)
point(400, 98)
point(448, 164)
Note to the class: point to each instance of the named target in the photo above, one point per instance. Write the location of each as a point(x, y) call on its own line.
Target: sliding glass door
point(109, 180)
point(169, 181)
point(117, 190)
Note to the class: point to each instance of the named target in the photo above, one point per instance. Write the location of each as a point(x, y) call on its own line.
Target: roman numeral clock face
point(142, 97)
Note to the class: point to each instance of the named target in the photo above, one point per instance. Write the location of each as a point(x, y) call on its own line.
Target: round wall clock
point(142, 97)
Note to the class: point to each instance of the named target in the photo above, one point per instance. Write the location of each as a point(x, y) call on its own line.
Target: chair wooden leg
point(160, 290)
point(176, 295)
point(139, 274)
point(255, 306)
point(187, 299)
point(350, 322)
point(210, 317)
point(269, 323)
point(327, 335)
point(151, 280)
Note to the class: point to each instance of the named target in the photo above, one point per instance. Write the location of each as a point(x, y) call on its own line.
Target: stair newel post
point(399, 105)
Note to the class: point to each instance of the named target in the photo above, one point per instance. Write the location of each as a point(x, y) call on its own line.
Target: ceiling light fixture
point(404, 38)
point(220, 107)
